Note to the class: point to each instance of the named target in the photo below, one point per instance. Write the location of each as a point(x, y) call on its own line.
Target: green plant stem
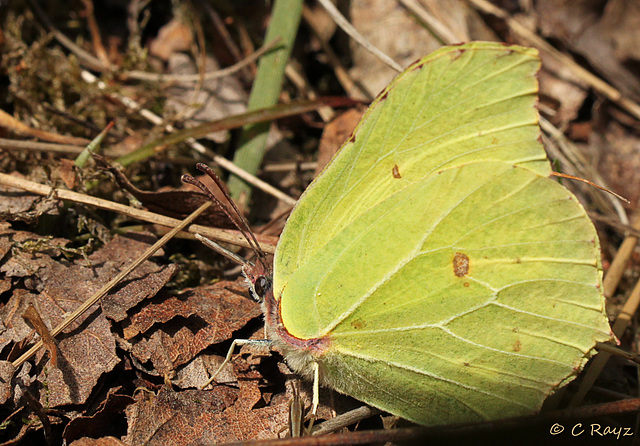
point(285, 19)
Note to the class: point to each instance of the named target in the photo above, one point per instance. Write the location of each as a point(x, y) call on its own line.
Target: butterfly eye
point(261, 286)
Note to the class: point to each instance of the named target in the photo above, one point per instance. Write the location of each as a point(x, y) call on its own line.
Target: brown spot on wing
point(460, 264)
point(358, 324)
point(395, 171)
point(458, 53)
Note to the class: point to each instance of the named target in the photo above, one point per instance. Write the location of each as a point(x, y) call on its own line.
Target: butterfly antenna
point(223, 188)
point(236, 217)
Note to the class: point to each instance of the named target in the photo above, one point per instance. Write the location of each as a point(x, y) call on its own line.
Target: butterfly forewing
point(448, 109)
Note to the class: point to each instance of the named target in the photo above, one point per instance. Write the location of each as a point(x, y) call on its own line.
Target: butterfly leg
point(315, 402)
point(316, 389)
point(234, 344)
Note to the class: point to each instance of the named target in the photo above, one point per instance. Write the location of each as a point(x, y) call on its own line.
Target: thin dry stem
point(590, 183)
point(159, 77)
point(619, 326)
point(11, 123)
point(348, 28)
point(621, 260)
point(85, 57)
point(267, 243)
point(611, 280)
point(437, 28)
point(299, 80)
point(575, 162)
point(344, 420)
point(96, 38)
point(353, 89)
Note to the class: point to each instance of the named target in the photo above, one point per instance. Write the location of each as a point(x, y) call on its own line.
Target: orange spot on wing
point(460, 264)
point(395, 171)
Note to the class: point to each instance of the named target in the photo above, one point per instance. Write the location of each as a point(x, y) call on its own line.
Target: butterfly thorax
point(299, 353)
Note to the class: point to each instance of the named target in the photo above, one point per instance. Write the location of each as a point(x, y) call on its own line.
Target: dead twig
point(96, 38)
point(159, 77)
point(348, 28)
point(9, 122)
point(84, 56)
point(267, 243)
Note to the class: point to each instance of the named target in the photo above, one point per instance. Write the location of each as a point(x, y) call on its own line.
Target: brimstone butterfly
point(433, 269)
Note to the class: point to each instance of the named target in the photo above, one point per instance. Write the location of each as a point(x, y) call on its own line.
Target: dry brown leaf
point(110, 412)
point(197, 372)
point(568, 96)
point(393, 29)
point(21, 381)
point(122, 250)
point(213, 416)
point(335, 134)
point(85, 355)
point(242, 421)
point(5, 285)
point(5, 238)
point(617, 153)
point(213, 100)
point(173, 203)
point(15, 329)
point(104, 441)
point(172, 37)
point(141, 284)
point(87, 349)
point(6, 381)
point(31, 315)
point(66, 171)
point(26, 264)
point(30, 244)
point(175, 418)
point(18, 205)
point(621, 23)
point(212, 315)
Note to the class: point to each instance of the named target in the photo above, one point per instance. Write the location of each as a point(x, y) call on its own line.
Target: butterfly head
point(259, 279)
